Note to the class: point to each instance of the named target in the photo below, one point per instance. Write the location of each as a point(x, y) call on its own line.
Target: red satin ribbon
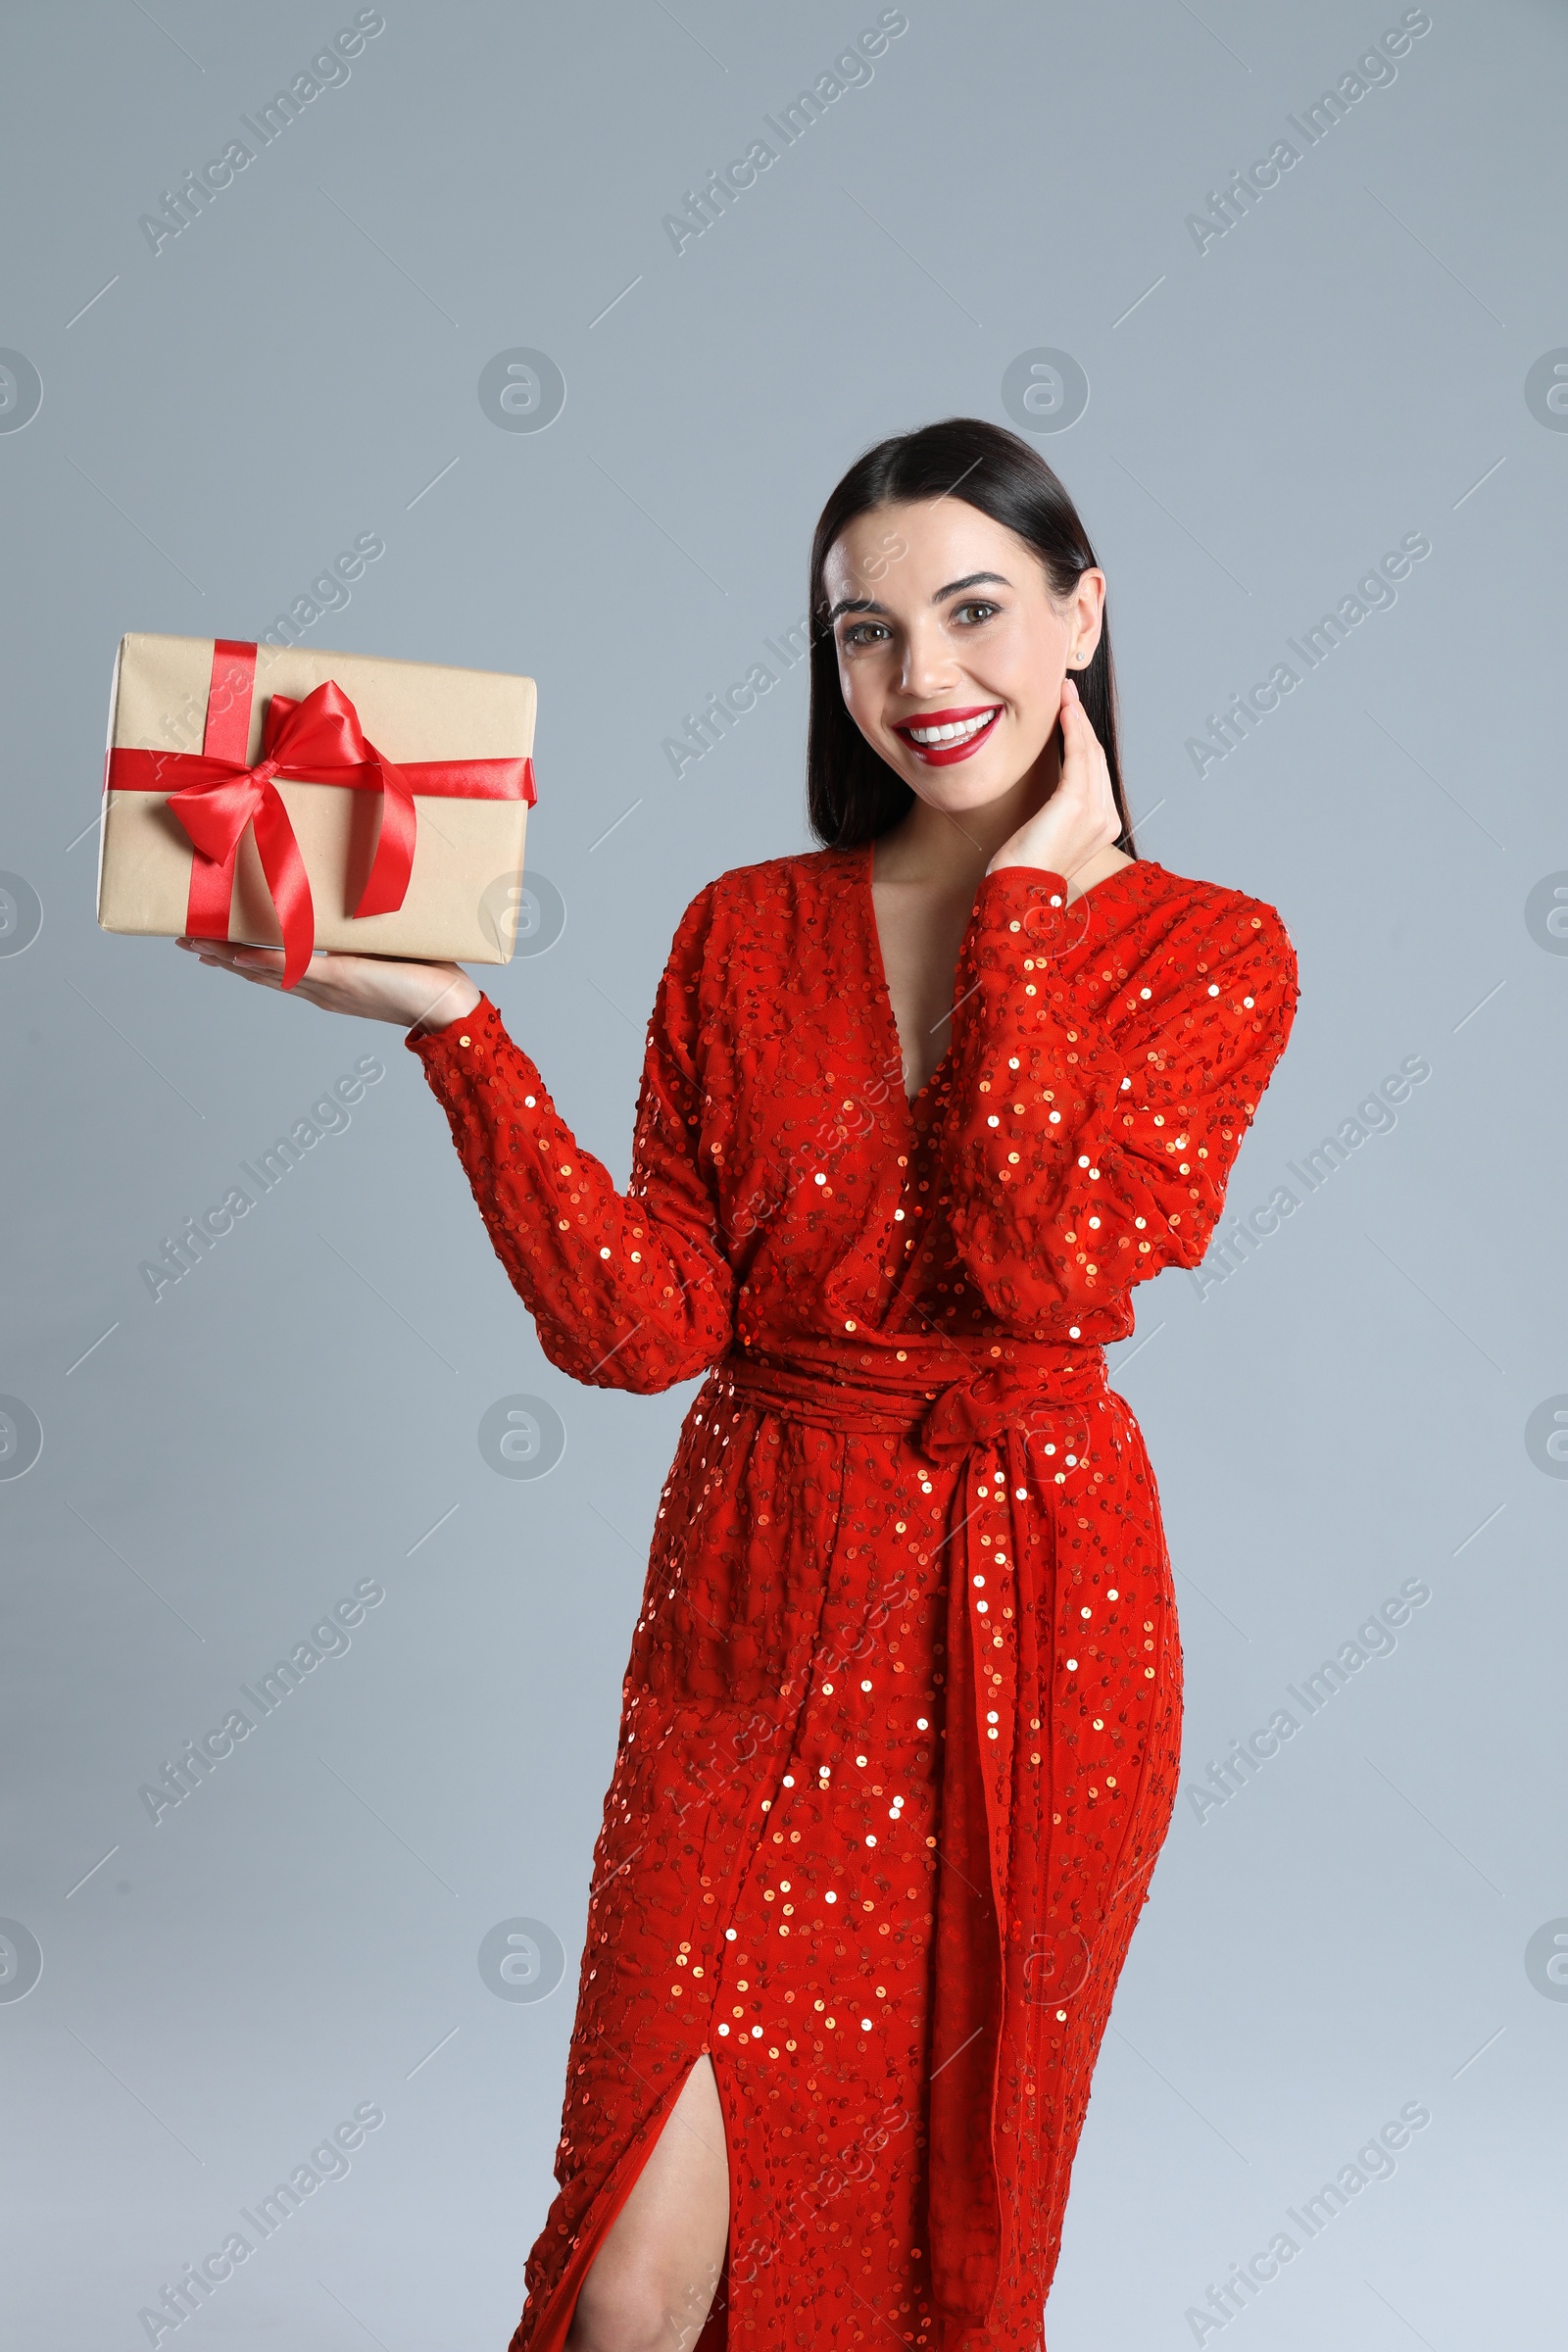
point(317, 741)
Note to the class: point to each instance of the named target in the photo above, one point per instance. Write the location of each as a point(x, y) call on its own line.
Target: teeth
point(955, 733)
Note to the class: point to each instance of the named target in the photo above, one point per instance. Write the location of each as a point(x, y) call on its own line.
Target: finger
point(243, 971)
point(1081, 749)
point(1074, 716)
point(269, 975)
point(239, 959)
point(1078, 738)
point(1080, 741)
point(314, 986)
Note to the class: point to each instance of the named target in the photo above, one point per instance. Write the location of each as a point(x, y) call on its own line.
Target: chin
point(958, 794)
point(971, 784)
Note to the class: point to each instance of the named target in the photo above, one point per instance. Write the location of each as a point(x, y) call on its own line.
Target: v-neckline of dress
point(881, 990)
point(879, 977)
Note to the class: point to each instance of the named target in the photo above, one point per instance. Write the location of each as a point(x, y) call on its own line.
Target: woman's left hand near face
point(1080, 818)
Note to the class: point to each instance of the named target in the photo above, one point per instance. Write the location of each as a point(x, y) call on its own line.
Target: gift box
point(285, 796)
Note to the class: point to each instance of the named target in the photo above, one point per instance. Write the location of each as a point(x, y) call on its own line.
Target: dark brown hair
point(851, 794)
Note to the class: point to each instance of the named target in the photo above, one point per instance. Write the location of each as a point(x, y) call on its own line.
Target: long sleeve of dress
point(1093, 1122)
point(628, 1291)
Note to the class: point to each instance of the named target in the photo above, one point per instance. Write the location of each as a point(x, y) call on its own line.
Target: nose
point(929, 665)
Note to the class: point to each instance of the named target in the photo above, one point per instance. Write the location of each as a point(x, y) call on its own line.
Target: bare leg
point(653, 2279)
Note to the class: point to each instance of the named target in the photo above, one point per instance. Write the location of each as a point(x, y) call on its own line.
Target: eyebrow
point(868, 604)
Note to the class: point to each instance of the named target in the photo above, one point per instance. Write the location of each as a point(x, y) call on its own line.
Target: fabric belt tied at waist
point(1038, 1409)
point(1026, 1390)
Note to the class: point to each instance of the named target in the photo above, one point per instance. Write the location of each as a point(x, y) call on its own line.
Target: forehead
point(910, 550)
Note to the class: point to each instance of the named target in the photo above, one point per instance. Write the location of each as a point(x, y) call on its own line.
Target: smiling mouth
point(939, 737)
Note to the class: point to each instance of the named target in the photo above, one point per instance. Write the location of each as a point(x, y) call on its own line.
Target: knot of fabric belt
point(977, 1410)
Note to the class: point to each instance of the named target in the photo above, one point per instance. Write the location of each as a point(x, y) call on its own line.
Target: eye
point(976, 607)
point(861, 633)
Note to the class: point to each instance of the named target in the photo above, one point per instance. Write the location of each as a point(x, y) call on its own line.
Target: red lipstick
point(956, 746)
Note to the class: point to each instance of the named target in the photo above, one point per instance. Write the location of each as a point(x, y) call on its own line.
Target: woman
point(901, 1724)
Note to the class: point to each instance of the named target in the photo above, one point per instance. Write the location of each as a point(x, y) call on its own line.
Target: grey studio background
point(1003, 210)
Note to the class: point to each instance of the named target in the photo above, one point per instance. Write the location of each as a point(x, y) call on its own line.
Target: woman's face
point(951, 649)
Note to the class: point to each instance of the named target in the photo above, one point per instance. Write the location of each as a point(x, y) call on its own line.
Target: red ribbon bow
point(318, 741)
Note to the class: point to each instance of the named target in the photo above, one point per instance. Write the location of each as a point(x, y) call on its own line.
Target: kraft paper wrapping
point(463, 897)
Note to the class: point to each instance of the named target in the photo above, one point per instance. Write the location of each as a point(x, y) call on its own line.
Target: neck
point(935, 845)
point(941, 851)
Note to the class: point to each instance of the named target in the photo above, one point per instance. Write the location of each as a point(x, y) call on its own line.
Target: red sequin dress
point(901, 1724)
